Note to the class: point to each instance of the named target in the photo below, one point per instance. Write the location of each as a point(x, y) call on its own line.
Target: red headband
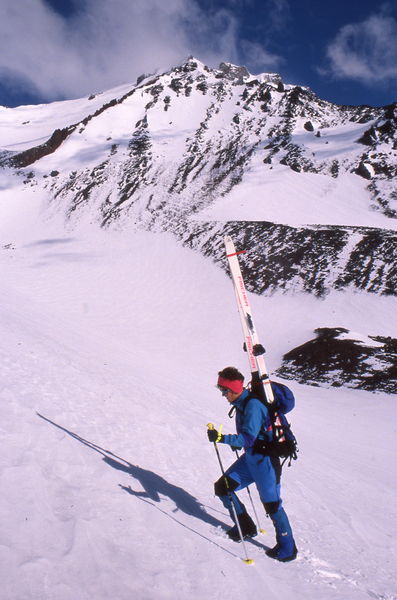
point(234, 385)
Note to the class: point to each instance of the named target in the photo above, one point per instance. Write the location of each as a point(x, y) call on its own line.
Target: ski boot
point(285, 550)
point(248, 528)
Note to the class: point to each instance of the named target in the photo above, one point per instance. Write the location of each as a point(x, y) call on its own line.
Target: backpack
point(284, 444)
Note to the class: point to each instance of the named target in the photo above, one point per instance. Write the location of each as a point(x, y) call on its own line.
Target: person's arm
point(254, 416)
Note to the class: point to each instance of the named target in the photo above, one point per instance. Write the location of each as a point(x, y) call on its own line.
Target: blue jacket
point(252, 421)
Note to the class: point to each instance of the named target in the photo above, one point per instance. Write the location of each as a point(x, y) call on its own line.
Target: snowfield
point(111, 340)
point(281, 195)
point(109, 349)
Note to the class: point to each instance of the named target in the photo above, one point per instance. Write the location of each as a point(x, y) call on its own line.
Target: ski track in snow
point(107, 366)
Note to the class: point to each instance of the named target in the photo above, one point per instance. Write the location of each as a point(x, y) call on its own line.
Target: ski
point(255, 350)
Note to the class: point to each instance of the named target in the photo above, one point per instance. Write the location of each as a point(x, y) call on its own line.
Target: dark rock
point(156, 90)
point(190, 65)
point(176, 85)
point(202, 86)
point(235, 73)
point(363, 170)
point(167, 102)
point(335, 168)
point(264, 95)
point(28, 157)
point(337, 357)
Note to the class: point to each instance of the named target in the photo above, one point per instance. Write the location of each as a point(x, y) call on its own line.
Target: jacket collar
point(239, 403)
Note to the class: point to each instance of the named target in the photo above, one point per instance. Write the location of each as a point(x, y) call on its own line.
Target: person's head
point(230, 383)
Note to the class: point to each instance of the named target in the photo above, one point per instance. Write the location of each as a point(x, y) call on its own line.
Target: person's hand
point(214, 435)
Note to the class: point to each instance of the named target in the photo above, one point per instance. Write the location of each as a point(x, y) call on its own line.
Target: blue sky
point(345, 51)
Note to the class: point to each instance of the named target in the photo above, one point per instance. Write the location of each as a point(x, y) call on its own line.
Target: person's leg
point(267, 473)
point(236, 478)
point(285, 548)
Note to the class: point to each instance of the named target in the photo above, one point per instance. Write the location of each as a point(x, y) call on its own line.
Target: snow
point(110, 346)
point(315, 199)
point(109, 349)
point(360, 339)
point(26, 126)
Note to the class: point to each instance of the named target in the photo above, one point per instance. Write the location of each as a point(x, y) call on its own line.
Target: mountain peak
point(236, 74)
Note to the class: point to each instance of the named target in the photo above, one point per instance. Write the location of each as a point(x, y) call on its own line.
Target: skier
point(252, 422)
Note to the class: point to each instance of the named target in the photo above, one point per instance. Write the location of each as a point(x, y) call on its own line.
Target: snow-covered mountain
point(194, 147)
point(307, 187)
point(111, 338)
point(188, 137)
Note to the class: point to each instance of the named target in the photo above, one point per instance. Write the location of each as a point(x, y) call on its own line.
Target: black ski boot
point(277, 553)
point(248, 528)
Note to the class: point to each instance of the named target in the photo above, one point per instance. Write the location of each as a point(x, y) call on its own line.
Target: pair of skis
point(255, 351)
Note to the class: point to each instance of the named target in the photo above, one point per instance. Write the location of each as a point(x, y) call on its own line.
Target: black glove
point(258, 349)
point(214, 435)
point(234, 448)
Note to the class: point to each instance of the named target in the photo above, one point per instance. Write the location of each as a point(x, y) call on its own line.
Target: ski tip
point(248, 561)
point(227, 240)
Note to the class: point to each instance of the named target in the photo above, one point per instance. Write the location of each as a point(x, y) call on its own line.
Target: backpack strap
point(241, 409)
point(234, 409)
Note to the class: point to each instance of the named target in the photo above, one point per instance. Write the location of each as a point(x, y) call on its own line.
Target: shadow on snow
point(153, 484)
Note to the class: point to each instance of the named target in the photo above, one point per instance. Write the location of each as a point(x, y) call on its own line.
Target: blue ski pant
point(248, 469)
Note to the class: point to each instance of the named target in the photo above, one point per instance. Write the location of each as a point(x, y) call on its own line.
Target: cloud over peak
point(104, 43)
point(366, 51)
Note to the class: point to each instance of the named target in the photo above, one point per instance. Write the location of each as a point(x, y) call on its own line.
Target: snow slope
point(283, 196)
point(109, 348)
point(25, 126)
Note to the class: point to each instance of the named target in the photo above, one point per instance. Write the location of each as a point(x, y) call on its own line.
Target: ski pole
point(248, 561)
point(253, 505)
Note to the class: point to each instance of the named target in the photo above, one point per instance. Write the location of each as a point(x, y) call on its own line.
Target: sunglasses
point(223, 390)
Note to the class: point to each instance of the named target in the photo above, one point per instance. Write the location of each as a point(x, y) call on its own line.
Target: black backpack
point(283, 444)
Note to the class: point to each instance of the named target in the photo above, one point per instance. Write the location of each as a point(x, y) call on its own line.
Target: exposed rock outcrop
point(338, 357)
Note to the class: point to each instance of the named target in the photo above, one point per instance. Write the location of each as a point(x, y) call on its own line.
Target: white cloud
point(107, 42)
point(366, 51)
point(279, 13)
point(258, 58)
